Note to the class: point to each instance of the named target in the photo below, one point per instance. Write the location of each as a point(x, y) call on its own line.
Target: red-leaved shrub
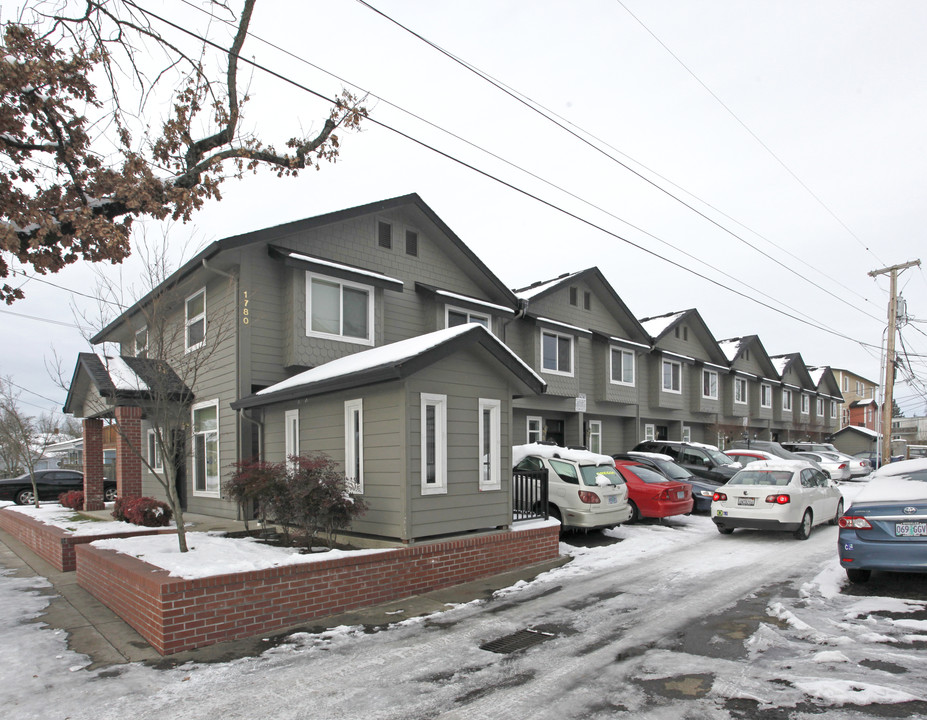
point(144, 511)
point(73, 499)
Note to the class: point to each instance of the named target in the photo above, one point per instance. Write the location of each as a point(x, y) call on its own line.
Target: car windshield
point(762, 477)
point(592, 473)
point(648, 475)
point(719, 457)
point(672, 470)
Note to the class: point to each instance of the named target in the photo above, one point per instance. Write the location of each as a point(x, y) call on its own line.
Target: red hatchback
point(651, 494)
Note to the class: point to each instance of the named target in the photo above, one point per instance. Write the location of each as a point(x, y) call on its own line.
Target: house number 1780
point(244, 308)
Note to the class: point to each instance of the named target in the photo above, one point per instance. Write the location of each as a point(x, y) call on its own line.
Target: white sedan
point(777, 495)
point(831, 463)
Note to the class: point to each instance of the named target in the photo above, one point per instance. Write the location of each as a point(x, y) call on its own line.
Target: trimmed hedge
point(146, 511)
point(73, 499)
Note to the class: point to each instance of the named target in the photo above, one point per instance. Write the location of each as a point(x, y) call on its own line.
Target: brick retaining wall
point(53, 544)
point(174, 614)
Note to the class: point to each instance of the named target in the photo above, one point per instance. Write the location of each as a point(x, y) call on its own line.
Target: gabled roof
point(659, 326)
point(278, 232)
point(126, 379)
point(872, 434)
point(393, 362)
point(793, 361)
point(733, 349)
point(825, 382)
point(592, 277)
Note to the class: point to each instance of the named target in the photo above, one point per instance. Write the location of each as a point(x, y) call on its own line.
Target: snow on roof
point(520, 452)
point(342, 266)
point(575, 328)
point(656, 326)
point(542, 286)
point(391, 354)
point(473, 301)
point(731, 347)
point(780, 362)
point(816, 374)
point(863, 430)
point(123, 377)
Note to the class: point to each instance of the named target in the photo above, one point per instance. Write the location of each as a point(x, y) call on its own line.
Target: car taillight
point(778, 499)
point(853, 522)
point(718, 497)
point(588, 497)
point(842, 467)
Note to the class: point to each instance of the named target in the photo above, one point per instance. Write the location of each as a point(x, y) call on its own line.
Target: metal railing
point(529, 495)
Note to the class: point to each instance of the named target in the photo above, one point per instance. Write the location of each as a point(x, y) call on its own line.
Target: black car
point(50, 484)
point(703, 489)
point(705, 461)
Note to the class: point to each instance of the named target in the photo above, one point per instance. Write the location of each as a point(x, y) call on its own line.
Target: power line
point(45, 320)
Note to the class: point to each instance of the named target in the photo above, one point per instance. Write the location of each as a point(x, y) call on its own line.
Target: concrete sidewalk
point(96, 631)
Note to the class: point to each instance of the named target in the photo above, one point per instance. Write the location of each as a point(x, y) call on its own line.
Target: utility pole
point(889, 387)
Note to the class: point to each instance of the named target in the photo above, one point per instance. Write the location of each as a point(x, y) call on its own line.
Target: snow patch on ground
point(67, 519)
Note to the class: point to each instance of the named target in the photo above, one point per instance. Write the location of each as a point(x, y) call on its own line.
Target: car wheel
point(635, 513)
point(857, 575)
point(839, 512)
point(25, 497)
point(109, 494)
point(725, 530)
point(804, 530)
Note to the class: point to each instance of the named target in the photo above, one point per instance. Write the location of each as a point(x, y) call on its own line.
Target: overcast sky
point(790, 133)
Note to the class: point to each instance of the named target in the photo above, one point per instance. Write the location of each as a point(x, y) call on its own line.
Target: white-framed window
point(458, 316)
point(490, 438)
point(860, 388)
point(765, 395)
point(291, 436)
point(819, 410)
point(205, 420)
point(805, 404)
point(622, 370)
point(557, 353)
point(710, 384)
point(594, 436)
point(846, 384)
point(672, 376)
point(141, 341)
point(338, 309)
point(833, 409)
point(740, 390)
point(195, 320)
point(686, 433)
point(154, 452)
point(354, 444)
point(535, 431)
point(787, 400)
point(650, 431)
point(434, 443)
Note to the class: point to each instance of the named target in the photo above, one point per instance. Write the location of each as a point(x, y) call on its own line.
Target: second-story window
point(820, 408)
point(672, 376)
point(196, 320)
point(740, 390)
point(709, 384)
point(766, 396)
point(557, 353)
point(787, 400)
point(458, 316)
point(339, 309)
point(805, 404)
point(622, 367)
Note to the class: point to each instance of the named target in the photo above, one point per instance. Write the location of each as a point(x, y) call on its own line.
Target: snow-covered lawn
point(51, 513)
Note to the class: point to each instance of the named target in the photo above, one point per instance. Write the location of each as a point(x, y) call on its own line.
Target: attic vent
point(384, 235)
point(573, 293)
point(411, 243)
point(520, 640)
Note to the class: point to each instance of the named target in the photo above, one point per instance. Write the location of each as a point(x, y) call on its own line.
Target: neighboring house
point(852, 440)
point(854, 388)
point(864, 413)
point(912, 430)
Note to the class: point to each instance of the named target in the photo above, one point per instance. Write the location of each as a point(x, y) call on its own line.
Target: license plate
point(612, 499)
point(749, 502)
point(910, 529)
point(680, 494)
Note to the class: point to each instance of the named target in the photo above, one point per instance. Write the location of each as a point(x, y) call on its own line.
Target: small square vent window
point(385, 235)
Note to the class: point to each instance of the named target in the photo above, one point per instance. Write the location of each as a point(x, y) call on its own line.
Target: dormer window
point(459, 316)
point(339, 309)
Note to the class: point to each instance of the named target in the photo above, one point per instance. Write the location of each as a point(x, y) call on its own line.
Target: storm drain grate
point(517, 641)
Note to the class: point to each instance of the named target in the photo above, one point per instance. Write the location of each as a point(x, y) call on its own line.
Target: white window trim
point(354, 456)
point(440, 404)
point(572, 353)
point(495, 443)
point(448, 309)
point(805, 404)
point(154, 452)
point(819, 407)
point(540, 431)
point(595, 430)
point(716, 377)
point(766, 395)
point(787, 400)
point(611, 366)
point(740, 382)
point(833, 409)
point(663, 376)
point(371, 301)
point(188, 321)
point(200, 406)
point(650, 431)
point(290, 436)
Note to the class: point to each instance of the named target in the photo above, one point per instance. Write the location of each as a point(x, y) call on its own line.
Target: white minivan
point(584, 489)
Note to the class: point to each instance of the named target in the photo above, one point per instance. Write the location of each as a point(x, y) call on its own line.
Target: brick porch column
point(93, 464)
point(128, 445)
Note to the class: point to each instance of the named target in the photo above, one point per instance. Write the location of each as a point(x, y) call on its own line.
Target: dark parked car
point(703, 460)
point(703, 489)
point(886, 526)
point(50, 484)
